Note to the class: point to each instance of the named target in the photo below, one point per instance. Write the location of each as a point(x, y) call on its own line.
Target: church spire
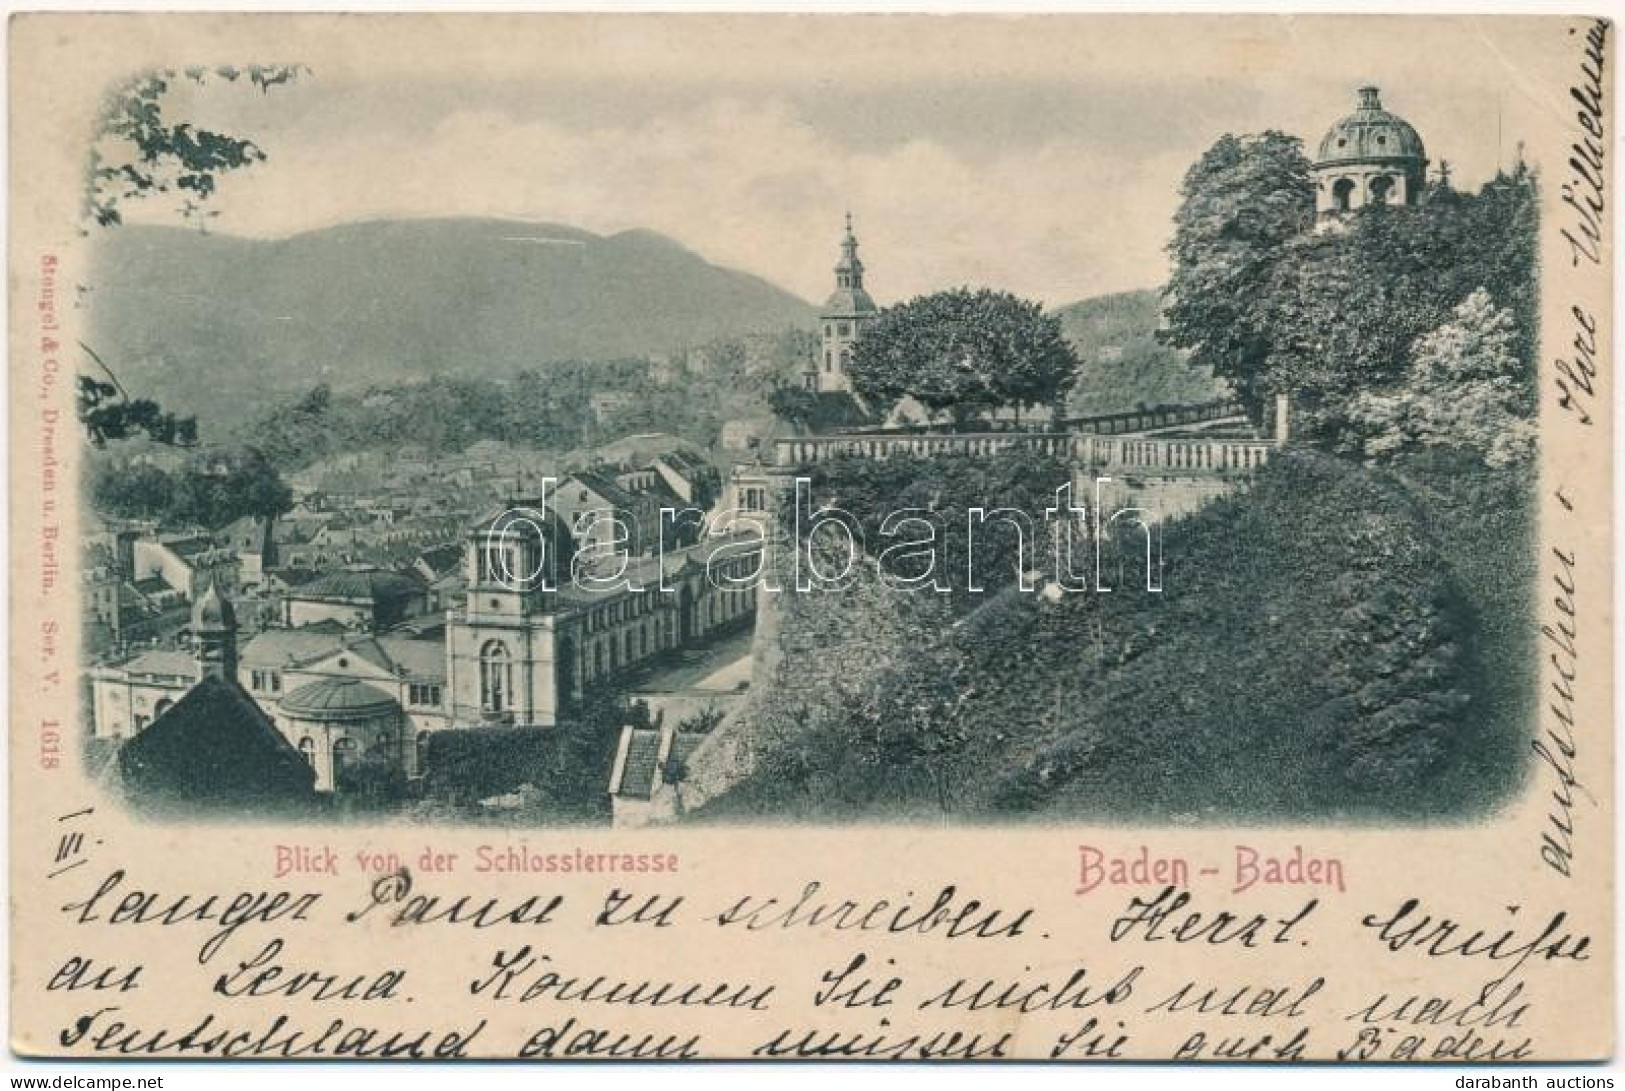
point(849, 270)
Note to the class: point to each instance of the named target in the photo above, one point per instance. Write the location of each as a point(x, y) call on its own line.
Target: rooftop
point(336, 700)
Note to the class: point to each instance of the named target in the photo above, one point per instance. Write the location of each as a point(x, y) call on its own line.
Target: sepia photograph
point(1155, 459)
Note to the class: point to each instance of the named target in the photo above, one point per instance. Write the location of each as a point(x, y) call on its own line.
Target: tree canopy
point(964, 352)
point(1332, 317)
point(1462, 392)
point(211, 489)
point(137, 152)
point(1241, 203)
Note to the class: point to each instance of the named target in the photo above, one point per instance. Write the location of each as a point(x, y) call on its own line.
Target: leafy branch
point(137, 152)
point(108, 413)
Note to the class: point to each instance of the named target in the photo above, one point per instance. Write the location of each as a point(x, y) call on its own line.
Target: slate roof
point(442, 559)
point(374, 585)
point(163, 662)
point(337, 700)
point(422, 659)
point(278, 648)
point(1370, 132)
point(600, 484)
point(190, 547)
point(407, 657)
point(214, 748)
point(848, 303)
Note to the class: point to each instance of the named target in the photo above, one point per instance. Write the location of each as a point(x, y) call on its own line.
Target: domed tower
point(845, 312)
point(214, 635)
point(1369, 157)
point(502, 647)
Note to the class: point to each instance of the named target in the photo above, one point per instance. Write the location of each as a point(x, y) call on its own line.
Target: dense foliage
point(1467, 389)
point(1347, 636)
point(1336, 316)
point(107, 414)
point(914, 516)
point(963, 352)
point(139, 151)
point(1129, 368)
point(562, 769)
point(549, 407)
point(1241, 203)
point(212, 488)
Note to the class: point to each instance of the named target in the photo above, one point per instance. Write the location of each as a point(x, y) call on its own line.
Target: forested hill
point(214, 325)
point(1124, 366)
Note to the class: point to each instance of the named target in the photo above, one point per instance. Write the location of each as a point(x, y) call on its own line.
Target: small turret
point(214, 635)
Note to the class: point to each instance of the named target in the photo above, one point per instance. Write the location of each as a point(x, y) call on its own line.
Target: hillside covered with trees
point(548, 407)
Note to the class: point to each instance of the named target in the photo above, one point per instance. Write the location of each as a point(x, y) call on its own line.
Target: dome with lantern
point(1369, 157)
point(1370, 132)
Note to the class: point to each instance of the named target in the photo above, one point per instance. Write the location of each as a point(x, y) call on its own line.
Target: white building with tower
point(847, 310)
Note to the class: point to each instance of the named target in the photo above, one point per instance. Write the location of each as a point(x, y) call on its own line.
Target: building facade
point(519, 650)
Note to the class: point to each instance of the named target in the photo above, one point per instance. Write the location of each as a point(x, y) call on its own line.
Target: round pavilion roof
point(338, 699)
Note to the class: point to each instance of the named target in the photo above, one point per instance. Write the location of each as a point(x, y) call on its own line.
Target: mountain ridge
point(207, 322)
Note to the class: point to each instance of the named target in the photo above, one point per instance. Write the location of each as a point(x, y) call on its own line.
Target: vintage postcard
point(811, 537)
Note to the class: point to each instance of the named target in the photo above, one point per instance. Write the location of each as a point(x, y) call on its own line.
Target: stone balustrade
point(1104, 454)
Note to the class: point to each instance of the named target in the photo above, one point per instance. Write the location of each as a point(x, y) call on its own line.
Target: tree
point(964, 352)
point(137, 152)
point(1264, 303)
point(131, 490)
point(1343, 310)
point(1462, 391)
point(912, 717)
point(107, 413)
point(1240, 204)
point(217, 487)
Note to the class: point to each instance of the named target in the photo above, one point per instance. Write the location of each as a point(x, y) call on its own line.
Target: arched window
point(496, 678)
point(1342, 194)
point(1381, 187)
point(344, 752)
point(164, 705)
point(307, 750)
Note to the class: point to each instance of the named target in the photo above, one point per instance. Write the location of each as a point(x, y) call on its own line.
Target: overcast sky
point(1041, 155)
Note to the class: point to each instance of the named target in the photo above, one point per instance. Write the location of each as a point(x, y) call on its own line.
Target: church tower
point(845, 313)
point(502, 648)
point(1370, 157)
point(214, 635)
